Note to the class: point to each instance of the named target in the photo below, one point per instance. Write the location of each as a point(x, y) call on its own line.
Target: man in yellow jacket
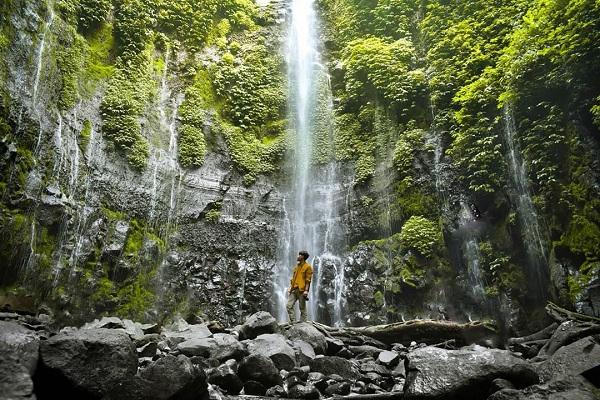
point(299, 286)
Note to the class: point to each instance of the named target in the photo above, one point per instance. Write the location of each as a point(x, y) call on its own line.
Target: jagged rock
point(399, 370)
point(294, 380)
point(304, 352)
point(567, 333)
point(87, 362)
point(303, 392)
point(117, 240)
point(133, 329)
point(570, 388)
point(339, 388)
point(197, 347)
point(150, 328)
point(334, 365)
point(308, 333)
point(276, 391)
point(371, 366)
point(345, 353)
point(18, 360)
point(148, 350)
point(225, 376)
point(182, 333)
point(572, 359)
point(388, 358)
point(257, 324)
point(106, 323)
point(274, 346)
point(226, 347)
point(301, 373)
point(254, 388)
point(147, 339)
point(333, 346)
point(259, 368)
point(439, 373)
point(169, 377)
point(371, 351)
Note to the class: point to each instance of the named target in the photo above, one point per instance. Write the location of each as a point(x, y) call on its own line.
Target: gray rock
point(388, 358)
point(437, 373)
point(371, 366)
point(500, 384)
point(105, 322)
point(333, 346)
point(334, 365)
point(339, 388)
point(148, 350)
point(304, 352)
point(276, 391)
point(308, 333)
point(572, 359)
point(150, 328)
point(345, 353)
point(18, 360)
point(225, 376)
point(399, 370)
point(257, 324)
point(365, 349)
point(91, 361)
point(254, 388)
point(259, 368)
point(116, 242)
point(274, 346)
point(570, 388)
point(133, 329)
point(189, 332)
point(197, 347)
point(303, 392)
point(169, 377)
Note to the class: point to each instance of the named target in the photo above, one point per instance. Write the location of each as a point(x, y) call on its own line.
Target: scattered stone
point(257, 367)
point(197, 347)
point(468, 372)
point(133, 329)
point(254, 388)
point(572, 359)
point(274, 346)
point(88, 361)
point(571, 388)
point(371, 366)
point(301, 373)
point(225, 376)
point(304, 352)
point(345, 353)
point(257, 324)
point(334, 365)
point(226, 347)
point(371, 351)
point(18, 360)
point(308, 333)
point(303, 392)
point(148, 350)
point(276, 391)
point(333, 346)
point(399, 370)
point(340, 388)
point(388, 358)
point(150, 328)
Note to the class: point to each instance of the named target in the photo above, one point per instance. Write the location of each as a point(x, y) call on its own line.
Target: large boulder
point(329, 365)
point(197, 347)
point(570, 388)
point(169, 377)
point(221, 346)
point(225, 376)
point(308, 333)
point(259, 368)
point(573, 359)
point(274, 346)
point(87, 362)
point(173, 377)
point(257, 324)
point(435, 373)
point(18, 360)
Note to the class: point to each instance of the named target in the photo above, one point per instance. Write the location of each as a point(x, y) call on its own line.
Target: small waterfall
point(40, 55)
point(534, 237)
point(471, 253)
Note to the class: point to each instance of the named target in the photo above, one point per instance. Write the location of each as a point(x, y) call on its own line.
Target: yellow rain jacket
point(301, 276)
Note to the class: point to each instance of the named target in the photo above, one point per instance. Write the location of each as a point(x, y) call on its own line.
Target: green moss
point(213, 216)
point(113, 215)
point(136, 298)
point(85, 134)
point(421, 234)
point(135, 238)
point(379, 298)
point(99, 63)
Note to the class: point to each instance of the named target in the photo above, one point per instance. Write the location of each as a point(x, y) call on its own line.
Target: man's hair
point(304, 254)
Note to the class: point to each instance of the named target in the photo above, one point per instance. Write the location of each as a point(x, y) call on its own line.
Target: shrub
point(420, 234)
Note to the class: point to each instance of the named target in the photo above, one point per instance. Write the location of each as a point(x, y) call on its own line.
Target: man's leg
point(290, 305)
point(302, 304)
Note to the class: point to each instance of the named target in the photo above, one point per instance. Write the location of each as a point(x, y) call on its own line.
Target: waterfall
point(531, 226)
point(311, 218)
point(471, 253)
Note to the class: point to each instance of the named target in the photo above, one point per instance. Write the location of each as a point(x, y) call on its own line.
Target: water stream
point(534, 238)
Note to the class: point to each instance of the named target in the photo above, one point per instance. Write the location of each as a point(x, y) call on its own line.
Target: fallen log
point(545, 333)
point(562, 314)
point(420, 331)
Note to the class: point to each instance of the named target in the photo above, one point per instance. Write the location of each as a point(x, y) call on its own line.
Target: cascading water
point(531, 225)
point(311, 219)
point(471, 253)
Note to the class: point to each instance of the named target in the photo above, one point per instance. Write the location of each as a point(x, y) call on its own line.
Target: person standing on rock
point(299, 286)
